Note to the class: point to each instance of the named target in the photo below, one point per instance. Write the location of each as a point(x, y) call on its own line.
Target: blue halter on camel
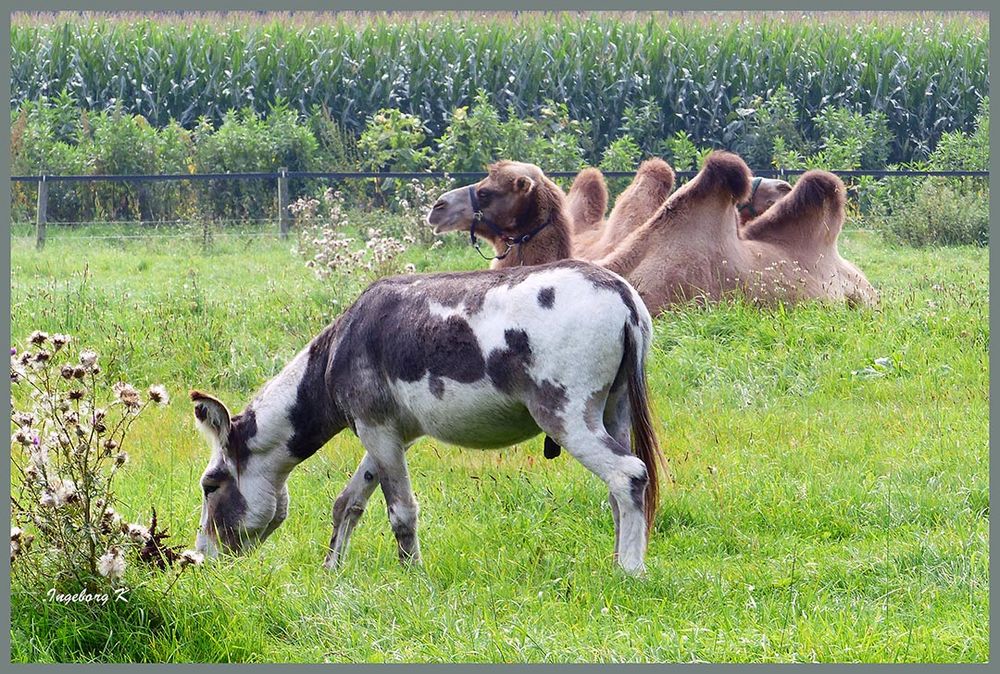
point(511, 241)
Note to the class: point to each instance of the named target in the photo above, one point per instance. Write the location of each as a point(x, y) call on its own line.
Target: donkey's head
point(245, 491)
point(512, 199)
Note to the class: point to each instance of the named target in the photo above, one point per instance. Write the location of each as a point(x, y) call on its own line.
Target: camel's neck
point(550, 244)
point(295, 410)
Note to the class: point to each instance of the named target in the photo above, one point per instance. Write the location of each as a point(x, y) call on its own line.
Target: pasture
point(829, 497)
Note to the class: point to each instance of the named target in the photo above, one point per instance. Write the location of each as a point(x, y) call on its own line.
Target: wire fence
point(283, 176)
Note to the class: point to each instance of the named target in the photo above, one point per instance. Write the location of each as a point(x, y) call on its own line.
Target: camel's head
point(510, 199)
point(764, 193)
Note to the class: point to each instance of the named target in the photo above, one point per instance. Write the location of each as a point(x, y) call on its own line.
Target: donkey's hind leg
point(386, 447)
point(617, 423)
point(623, 472)
point(348, 508)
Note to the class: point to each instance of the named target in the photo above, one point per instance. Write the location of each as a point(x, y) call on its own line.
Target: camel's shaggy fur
point(587, 201)
point(652, 184)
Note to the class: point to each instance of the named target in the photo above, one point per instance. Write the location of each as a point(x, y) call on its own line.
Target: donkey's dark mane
point(315, 416)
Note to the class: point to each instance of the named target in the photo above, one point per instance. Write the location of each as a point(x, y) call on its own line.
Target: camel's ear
point(523, 185)
point(212, 418)
point(784, 188)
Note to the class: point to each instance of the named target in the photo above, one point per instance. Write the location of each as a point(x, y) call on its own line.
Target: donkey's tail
point(644, 442)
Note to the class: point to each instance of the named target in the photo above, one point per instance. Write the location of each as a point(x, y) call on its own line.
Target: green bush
point(937, 210)
point(623, 154)
point(247, 142)
point(472, 139)
point(768, 127)
point(941, 215)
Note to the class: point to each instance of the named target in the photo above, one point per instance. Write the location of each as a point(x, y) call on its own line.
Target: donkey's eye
point(483, 195)
point(209, 488)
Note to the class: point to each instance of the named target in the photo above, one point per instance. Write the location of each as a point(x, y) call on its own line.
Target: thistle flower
point(38, 337)
point(77, 394)
point(127, 395)
point(121, 459)
point(64, 492)
point(79, 372)
point(88, 359)
point(158, 394)
point(137, 533)
point(112, 563)
point(66, 371)
point(110, 520)
point(59, 341)
point(191, 558)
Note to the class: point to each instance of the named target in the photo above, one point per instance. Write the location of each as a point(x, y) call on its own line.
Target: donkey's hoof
point(635, 569)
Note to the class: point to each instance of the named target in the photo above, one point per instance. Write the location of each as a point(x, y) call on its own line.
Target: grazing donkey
point(481, 359)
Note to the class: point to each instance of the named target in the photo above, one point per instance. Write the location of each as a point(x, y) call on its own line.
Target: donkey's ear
point(211, 416)
point(524, 184)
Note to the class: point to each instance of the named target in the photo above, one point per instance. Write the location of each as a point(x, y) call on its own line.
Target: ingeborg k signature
point(85, 597)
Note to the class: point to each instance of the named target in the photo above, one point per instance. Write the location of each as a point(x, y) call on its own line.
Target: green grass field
point(821, 508)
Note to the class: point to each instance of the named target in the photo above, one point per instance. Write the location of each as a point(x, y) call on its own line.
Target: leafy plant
point(67, 449)
point(622, 155)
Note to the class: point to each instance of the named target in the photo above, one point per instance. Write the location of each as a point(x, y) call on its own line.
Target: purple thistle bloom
point(13, 350)
point(35, 441)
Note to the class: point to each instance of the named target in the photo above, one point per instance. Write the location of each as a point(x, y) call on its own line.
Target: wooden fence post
point(43, 208)
point(284, 217)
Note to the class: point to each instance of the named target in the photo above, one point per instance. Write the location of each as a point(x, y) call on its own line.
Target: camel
point(691, 248)
point(516, 208)
point(652, 184)
point(764, 193)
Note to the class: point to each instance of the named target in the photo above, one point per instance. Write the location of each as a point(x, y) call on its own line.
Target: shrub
point(45, 140)
point(644, 123)
point(767, 122)
point(854, 140)
point(66, 451)
point(472, 139)
point(940, 215)
point(682, 152)
point(247, 142)
point(622, 155)
point(393, 141)
point(937, 210)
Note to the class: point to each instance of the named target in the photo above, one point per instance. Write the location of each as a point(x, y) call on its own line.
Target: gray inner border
point(433, 5)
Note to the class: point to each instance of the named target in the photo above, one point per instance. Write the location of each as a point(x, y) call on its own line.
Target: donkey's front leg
point(385, 445)
point(348, 508)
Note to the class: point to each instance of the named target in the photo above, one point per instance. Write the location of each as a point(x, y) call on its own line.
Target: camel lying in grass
point(690, 248)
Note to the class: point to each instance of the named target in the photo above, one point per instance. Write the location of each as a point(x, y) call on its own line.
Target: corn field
point(925, 72)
